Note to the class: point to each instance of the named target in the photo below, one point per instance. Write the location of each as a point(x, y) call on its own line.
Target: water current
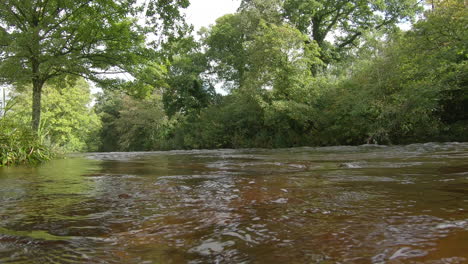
point(364, 204)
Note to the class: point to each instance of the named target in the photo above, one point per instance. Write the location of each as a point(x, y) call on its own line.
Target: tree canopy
point(48, 39)
point(294, 73)
point(336, 26)
point(67, 120)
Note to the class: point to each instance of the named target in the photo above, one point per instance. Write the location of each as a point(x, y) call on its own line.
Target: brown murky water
point(366, 204)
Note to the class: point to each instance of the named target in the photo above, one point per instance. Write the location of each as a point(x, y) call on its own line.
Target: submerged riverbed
point(365, 204)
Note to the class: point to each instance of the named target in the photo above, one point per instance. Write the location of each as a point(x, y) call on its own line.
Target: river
point(363, 204)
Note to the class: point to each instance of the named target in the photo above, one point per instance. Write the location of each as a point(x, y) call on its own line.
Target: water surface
point(365, 204)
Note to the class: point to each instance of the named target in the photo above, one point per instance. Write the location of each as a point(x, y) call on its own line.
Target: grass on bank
point(20, 145)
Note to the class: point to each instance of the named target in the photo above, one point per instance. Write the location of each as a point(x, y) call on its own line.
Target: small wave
point(211, 247)
point(351, 165)
point(463, 224)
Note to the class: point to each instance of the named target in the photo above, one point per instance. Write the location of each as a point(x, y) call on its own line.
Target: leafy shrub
point(19, 145)
point(66, 119)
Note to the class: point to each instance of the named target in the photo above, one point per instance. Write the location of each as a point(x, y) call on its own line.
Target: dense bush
point(19, 145)
point(415, 89)
point(131, 124)
point(67, 120)
point(396, 88)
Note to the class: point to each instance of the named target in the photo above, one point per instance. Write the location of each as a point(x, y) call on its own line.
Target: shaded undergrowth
point(20, 145)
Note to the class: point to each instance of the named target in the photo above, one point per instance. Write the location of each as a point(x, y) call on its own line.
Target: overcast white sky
point(202, 13)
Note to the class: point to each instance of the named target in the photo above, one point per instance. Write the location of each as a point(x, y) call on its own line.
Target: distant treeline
point(294, 72)
point(285, 90)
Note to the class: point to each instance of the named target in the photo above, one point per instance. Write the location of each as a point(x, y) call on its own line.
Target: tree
point(346, 21)
point(249, 51)
point(188, 88)
point(226, 47)
point(438, 46)
point(268, 62)
point(108, 106)
point(142, 123)
point(414, 90)
point(67, 119)
point(44, 40)
point(132, 124)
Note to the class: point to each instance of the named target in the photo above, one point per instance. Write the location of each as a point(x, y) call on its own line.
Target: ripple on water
point(211, 247)
point(346, 204)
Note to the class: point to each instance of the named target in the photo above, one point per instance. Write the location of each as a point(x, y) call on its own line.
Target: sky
point(202, 13)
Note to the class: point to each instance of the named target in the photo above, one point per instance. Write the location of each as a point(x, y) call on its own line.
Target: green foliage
point(51, 39)
point(248, 52)
point(20, 145)
point(288, 84)
point(246, 119)
point(108, 108)
point(187, 88)
point(442, 41)
point(319, 19)
point(141, 124)
point(226, 48)
point(68, 121)
point(132, 124)
point(279, 58)
point(414, 90)
point(267, 66)
point(399, 88)
point(233, 123)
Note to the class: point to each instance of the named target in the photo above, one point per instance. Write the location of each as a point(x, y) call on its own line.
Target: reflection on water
point(366, 204)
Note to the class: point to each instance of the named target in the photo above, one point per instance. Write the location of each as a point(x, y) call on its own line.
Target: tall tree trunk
point(37, 83)
point(4, 102)
point(36, 105)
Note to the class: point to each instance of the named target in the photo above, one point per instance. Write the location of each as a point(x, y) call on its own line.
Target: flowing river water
point(364, 204)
